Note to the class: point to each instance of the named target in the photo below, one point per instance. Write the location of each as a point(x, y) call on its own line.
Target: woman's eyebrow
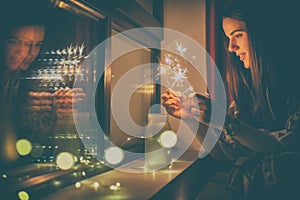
point(13, 37)
point(20, 40)
point(232, 32)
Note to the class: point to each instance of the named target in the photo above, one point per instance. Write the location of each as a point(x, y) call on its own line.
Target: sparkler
point(172, 71)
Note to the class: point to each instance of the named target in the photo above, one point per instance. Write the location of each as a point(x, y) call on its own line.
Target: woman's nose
point(232, 47)
point(23, 50)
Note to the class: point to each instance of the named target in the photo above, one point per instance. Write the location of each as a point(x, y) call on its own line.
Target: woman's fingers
point(39, 101)
point(61, 101)
point(70, 93)
point(168, 95)
point(38, 108)
point(40, 94)
point(78, 90)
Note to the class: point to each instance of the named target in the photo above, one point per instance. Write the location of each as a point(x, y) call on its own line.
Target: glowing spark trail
point(179, 77)
point(180, 49)
point(172, 70)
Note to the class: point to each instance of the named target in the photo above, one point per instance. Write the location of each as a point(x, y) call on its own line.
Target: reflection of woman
point(26, 113)
point(20, 40)
point(23, 45)
point(263, 85)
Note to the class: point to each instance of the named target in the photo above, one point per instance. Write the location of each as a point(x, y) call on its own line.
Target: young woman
point(261, 138)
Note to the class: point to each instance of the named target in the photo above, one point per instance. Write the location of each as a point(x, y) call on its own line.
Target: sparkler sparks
point(70, 50)
point(64, 51)
point(63, 69)
point(180, 48)
point(80, 49)
point(168, 60)
point(58, 52)
point(172, 70)
point(179, 75)
point(162, 70)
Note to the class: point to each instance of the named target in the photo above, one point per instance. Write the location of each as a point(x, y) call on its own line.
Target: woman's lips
point(242, 57)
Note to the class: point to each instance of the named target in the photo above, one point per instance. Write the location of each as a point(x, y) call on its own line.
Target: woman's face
point(23, 46)
point(238, 39)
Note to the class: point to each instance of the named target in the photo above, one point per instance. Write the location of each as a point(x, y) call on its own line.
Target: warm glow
point(146, 89)
point(23, 195)
point(114, 155)
point(62, 4)
point(65, 161)
point(23, 147)
point(168, 139)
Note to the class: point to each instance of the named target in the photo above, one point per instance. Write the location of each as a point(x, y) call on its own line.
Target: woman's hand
point(64, 99)
point(177, 105)
point(38, 101)
point(60, 101)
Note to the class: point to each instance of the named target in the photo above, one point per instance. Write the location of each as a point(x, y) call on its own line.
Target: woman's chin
point(24, 66)
point(246, 66)
point(13, 67)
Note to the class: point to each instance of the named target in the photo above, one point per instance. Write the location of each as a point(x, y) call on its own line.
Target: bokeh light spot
point(168, 139)
point(24, 147)
point(23, 195)
point(114, 155)
point(65, 160)
point(77, 185)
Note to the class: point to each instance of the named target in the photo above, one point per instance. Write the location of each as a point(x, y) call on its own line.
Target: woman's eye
point(28, 44)
point(39, 44)
point(239, 35)
point(13, 41)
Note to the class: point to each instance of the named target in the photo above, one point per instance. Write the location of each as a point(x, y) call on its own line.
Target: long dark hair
point(261, 91)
